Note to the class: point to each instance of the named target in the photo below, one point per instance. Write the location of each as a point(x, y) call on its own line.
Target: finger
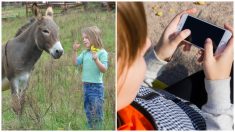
point(201, 52)
point(228, 51)
point(187, 47)
point(200, 59)
point(174, 22)
point(172, 36)
point(181, 36)
point(200, 55)
point(228, 27)
point(208, 46)
point(229, 48)
point(176, 19)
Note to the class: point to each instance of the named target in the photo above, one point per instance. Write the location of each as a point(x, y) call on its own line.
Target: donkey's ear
point(49, 12)
point(35, 10)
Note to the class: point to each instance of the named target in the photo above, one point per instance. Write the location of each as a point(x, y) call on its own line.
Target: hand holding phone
point(171, 37)
point(218, 67)
point(201, 30)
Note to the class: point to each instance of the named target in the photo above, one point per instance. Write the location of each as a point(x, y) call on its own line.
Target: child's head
point(92, 36)
point(131, 46)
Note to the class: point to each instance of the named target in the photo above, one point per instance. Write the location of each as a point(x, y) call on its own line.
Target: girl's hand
point(94, 56)
point(170, 39)
point(218, 67)
point(76, 46)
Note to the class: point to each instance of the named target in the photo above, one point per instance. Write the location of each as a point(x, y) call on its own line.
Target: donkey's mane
point(36, 12)
point(25, 27)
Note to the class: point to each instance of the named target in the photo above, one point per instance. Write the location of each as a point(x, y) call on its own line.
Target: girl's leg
point(99, 99)
point(192, 88)
point(87, 104)
point(96, 100)
point(98, 112)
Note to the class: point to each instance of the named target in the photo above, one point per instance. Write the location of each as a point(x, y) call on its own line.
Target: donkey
point(21, 53)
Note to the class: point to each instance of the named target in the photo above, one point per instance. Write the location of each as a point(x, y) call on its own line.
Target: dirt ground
point(184, 63)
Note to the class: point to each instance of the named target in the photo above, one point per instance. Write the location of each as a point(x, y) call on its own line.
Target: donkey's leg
point(18, 87)
point(15, 100)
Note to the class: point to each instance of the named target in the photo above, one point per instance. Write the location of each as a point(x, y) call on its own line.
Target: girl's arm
point(102, 67)
point(218, 111)
point(155, 66)
point(75, 57)
point(75, 49)
point(169, 41)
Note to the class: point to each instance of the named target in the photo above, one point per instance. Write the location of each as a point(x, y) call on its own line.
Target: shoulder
point(84, 52)
point(103, 52)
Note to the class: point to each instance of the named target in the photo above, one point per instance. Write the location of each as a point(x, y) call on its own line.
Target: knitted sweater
point(217, 112)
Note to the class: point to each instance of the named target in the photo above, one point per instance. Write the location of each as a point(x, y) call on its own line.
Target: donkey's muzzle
point(56, 51)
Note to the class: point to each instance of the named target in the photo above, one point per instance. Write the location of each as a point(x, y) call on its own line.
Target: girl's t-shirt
point(90, 71)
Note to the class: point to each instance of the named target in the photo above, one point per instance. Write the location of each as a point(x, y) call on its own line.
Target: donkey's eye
point(45, 31)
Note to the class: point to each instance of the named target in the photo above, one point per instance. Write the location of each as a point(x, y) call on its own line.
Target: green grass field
point(54, 99)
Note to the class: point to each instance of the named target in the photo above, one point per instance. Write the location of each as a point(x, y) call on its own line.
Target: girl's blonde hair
point(94, 35)
point(131, 32)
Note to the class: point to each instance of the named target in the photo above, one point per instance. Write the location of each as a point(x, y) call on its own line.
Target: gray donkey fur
point(21, 53)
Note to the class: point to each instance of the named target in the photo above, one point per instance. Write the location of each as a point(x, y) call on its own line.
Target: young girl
point(94, 61)
point(142, 108)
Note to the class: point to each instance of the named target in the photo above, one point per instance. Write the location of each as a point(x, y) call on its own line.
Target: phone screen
point(201, 30)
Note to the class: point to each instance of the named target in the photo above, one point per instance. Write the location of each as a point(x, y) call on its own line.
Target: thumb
point(181, 36)
point(208, 53)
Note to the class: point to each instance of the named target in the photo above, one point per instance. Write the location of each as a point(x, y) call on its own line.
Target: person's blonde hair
point(94, 35)
point(131, 32)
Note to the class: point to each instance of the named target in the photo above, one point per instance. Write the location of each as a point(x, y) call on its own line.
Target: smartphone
point(201, 30)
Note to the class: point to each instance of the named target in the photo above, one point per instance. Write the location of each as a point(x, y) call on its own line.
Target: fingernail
point(187, 32)
point(208, 40)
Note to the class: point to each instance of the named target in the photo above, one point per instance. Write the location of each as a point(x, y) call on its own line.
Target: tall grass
point(54, 98)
